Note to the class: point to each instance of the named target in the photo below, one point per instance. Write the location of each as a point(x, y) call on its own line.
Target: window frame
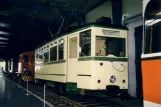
point(60, 43)
point(148, 39)
point(52, 45)
point(37, 57)
point(125, 45)
point(44, 56)
point(79, 40)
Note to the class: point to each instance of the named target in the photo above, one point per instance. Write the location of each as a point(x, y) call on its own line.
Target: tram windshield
point(152, 27)
point(110, 46)
point(25, 58)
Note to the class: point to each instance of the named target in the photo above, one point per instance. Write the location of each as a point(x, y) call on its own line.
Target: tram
point(92, 57)
point(151, 55)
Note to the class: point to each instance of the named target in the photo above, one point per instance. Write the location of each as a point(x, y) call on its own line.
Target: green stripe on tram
point(102, 59)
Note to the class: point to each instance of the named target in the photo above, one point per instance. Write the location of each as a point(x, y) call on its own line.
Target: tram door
point(72, 58)
point(138, 51)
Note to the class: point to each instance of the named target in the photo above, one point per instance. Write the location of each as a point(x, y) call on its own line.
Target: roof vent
point(104, 21)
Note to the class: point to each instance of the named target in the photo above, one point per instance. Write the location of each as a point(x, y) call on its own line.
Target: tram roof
point(78, 28)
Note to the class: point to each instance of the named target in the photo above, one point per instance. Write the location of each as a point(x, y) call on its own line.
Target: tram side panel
point(84, 75)
point(53, 70)
point(151, 80)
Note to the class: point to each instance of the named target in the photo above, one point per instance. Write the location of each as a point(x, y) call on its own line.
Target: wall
point(103, 10)
point(130, 7)
point(131, 55)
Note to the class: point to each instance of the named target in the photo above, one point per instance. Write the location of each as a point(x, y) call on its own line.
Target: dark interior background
point(25, 24)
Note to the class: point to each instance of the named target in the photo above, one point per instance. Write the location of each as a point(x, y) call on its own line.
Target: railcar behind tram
point(26, 66)
point(151, 56)
point(93, 57)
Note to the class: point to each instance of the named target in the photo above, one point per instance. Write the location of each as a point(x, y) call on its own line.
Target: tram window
point(110, 46)
point(53, 53)
point(41, 59)
point(36, 58)
point(25, 58)
point(73, 47)
point(85, 43)
point(46, 56)
point(152, 26)
point(40, 56)
point(61, 51)
point(153, 36)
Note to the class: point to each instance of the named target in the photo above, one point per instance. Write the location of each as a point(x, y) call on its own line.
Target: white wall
point(131, 7)
point(103, 10)
point(131, 55)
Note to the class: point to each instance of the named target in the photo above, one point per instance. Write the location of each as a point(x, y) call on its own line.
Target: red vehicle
point(26, 66)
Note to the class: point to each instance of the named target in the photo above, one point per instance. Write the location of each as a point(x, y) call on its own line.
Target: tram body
point(93, 57)
point(26, 66)
point(151, 56)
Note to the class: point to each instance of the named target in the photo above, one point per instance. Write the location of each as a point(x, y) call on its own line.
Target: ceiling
point(26, 24)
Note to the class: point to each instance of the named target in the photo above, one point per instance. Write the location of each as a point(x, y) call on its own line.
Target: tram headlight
point(112, 79)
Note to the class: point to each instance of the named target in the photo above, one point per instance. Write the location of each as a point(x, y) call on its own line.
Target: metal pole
point(44, 94)
point(27, 88)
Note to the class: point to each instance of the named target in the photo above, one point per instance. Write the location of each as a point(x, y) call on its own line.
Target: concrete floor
point(12, 96)
point(129, 103)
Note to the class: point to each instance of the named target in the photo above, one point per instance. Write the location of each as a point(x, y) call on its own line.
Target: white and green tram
point(92, 57)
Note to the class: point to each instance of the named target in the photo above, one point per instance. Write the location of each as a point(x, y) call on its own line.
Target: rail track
point(70, 100)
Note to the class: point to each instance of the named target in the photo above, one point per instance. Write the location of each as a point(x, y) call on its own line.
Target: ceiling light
point(3, 43)
point(158, 13)
point(2, 38)
point(148, 21)
point(4, 33)
point(4, 25)
point(152, 22)
point(2, 46)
